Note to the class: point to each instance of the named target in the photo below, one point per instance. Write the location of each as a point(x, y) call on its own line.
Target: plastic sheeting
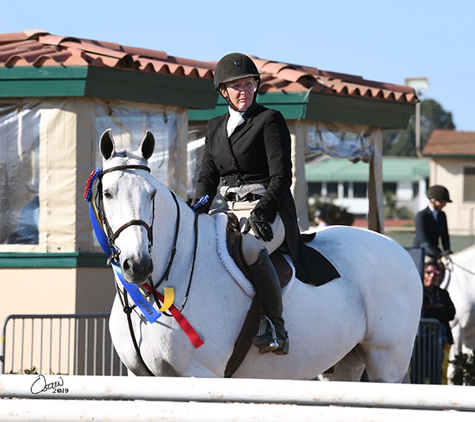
point(19, 172)
point(339, 141)
point(128, 126)
point(49, 147)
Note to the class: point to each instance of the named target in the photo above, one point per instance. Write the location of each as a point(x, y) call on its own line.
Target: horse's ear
point(106, 144)
point(148, 145)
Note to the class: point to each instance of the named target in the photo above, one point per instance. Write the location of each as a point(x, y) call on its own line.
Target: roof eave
point(100, 82)
point(449, 156)
point(326, 107)
point(358, 110)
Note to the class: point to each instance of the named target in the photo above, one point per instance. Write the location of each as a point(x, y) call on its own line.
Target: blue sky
point(381, 40)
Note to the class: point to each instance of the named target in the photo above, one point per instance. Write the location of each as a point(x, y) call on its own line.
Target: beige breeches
point(251, 245)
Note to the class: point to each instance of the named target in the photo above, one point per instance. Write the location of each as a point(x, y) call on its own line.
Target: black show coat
point(429, 231)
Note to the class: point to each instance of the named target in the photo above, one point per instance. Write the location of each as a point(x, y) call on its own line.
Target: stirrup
point(274, 344)
point(273, 332)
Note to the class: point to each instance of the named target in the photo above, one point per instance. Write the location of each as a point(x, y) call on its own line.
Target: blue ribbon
point(134, 292)
point(100, 235)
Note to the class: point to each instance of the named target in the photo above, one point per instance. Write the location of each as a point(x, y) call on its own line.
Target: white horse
point(371, 313)
point(460, 283)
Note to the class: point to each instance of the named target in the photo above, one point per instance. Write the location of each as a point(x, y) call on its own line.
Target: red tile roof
point(278, 77)
point(39, 48)
point(448, 142)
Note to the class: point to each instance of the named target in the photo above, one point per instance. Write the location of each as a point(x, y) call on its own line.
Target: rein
point(449, 267)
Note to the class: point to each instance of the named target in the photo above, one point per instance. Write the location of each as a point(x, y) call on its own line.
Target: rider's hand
point(259, 225)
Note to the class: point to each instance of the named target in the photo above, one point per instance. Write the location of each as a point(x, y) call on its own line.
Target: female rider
point(248, 150)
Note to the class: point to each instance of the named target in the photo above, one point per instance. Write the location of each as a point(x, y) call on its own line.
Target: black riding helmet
point(439, 193)
point(232, 67)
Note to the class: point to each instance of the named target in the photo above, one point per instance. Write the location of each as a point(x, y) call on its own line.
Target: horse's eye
point(107, 195)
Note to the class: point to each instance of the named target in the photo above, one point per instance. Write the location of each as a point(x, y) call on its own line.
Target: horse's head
point(128, 205)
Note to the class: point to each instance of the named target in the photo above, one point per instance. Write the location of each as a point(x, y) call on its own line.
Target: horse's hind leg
point(384, 365)
point(349, 368)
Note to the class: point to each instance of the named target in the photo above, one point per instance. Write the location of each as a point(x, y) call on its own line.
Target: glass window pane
point(469, 184)
point(359, 190)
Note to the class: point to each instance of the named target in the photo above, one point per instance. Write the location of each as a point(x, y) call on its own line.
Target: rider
point(249, 150)
point(431, 224)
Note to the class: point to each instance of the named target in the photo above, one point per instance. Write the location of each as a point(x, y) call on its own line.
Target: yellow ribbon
point(168, 298)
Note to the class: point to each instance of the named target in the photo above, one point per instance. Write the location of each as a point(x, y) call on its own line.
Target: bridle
point(111, 235)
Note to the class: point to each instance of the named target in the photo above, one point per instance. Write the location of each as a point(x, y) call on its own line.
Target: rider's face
point(240, 92)
point(438, 205)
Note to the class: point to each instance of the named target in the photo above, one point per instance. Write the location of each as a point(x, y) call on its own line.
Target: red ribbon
point(182, 321)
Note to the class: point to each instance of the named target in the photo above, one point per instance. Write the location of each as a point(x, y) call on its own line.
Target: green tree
point(402, 143)
point(464, 369)
point(334, 213)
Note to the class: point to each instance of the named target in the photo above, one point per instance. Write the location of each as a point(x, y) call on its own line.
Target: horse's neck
point(187, 249)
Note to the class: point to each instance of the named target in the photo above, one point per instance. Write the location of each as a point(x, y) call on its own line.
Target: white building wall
point(460, 214)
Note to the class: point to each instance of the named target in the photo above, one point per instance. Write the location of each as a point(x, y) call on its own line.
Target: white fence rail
point(75, 398)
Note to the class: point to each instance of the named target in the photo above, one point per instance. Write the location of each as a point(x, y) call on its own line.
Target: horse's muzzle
point(137, 272)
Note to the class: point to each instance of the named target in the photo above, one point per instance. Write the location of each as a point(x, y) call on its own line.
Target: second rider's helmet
point(235, 66)
point(439, 193)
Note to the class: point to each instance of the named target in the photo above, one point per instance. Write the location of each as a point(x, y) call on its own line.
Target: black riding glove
point(201, 209)
point(260, 226)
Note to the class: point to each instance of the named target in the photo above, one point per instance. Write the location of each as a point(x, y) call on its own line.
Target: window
point(332, 190)
point(314, 188)
point(359, 190)
point(390, 187)
point(469, 184)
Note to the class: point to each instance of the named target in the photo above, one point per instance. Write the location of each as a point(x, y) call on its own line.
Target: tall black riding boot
point(267, 285)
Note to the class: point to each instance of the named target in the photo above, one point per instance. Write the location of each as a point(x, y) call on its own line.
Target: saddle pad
point(282, 263)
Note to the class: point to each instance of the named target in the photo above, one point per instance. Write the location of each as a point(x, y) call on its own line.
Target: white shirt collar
point(235, 119)
point(434, 211)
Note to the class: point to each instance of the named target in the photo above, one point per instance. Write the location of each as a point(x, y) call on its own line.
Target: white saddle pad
point(221, 220)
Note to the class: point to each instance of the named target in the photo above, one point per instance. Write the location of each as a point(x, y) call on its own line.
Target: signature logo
point(40, 386)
